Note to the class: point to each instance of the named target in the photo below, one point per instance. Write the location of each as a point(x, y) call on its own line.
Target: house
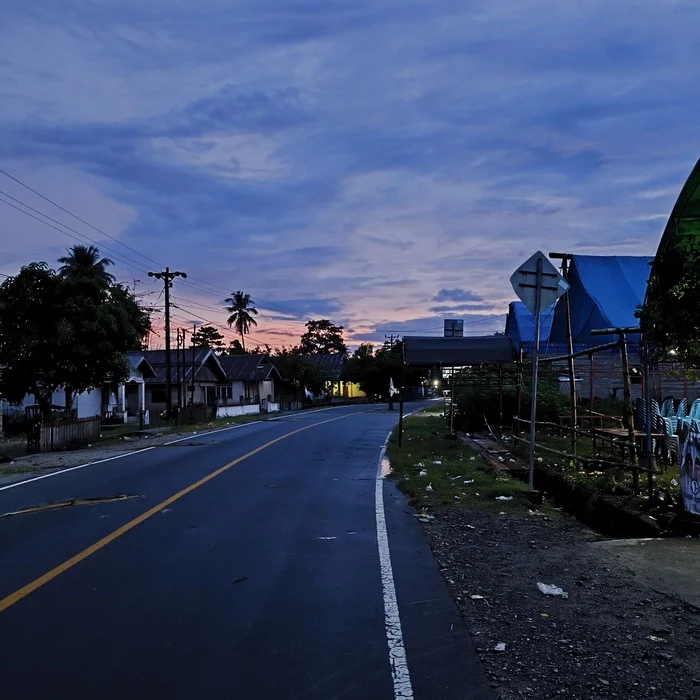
point(250, 382)
point(332, 364)
point(605, 293)
point(146, 387)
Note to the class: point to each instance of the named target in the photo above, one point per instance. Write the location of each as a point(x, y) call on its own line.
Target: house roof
point(249, 368)
point(520, 325)
point(332, 362)
point(422, 351)
point(156, 360)
point(605, 293)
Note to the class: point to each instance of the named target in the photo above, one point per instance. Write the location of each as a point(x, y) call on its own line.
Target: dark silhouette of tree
point(242, 309)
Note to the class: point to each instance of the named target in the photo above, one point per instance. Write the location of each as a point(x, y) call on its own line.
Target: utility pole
point(178, 373)
point(194, 335)
point(184, 367)
point(390, 338)
point(167, 276)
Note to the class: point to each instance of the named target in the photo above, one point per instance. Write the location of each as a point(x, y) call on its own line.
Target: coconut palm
point(241, 306)
point(83, 262)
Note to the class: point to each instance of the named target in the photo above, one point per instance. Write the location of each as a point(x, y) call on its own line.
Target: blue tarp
point(605, 293)
point(520, 326)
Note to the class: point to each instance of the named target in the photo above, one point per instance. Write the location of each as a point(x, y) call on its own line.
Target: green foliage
point(72, 329)
point(476, 396)
point(30, 317)
point(300, 371)
point(322, 337)
point(210, 337)
point(670, 318)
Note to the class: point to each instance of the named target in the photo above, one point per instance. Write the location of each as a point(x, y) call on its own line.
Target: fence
point(74, 433)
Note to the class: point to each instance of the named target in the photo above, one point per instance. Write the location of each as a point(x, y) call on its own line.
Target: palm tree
point(83, 262)
point(241, 306)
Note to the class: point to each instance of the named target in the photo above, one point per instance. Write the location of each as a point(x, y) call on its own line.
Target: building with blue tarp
point(605, 293)
point(520, 326)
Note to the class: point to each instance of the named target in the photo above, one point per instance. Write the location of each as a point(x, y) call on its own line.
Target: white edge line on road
point(152, 447)
point(72, 469)
point(403, 690)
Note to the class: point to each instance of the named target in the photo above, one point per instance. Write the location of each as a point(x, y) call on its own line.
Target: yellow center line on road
point(23, 592)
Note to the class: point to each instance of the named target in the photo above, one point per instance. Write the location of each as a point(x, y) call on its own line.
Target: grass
point(425, 443)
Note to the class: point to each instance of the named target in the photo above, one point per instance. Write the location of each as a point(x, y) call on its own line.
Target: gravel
point(596, 643)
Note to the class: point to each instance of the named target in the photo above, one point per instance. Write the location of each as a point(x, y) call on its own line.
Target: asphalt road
point(246, 566)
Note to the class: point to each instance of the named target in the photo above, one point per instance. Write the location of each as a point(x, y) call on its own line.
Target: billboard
point(454, 328)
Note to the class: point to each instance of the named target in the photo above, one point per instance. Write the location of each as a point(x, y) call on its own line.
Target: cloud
point(459, 308)
point(293, 151)
point(457, 295)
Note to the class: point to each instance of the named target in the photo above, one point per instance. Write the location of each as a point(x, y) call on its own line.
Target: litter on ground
point(504, 498)
point(422, 472)
point(551, 589)
point(429, 487)
point(501, 646)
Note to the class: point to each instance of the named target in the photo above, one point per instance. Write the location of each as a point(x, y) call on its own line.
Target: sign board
point(524, 281)
point(454, 328)
point(690, 473)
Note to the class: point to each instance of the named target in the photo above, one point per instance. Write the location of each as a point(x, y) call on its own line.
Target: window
point(157, 395)
point(224, 393)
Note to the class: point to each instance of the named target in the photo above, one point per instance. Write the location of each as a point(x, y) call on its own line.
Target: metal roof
point(156, 361)
point(250, 368)
point(422, 351)
point(332, 361)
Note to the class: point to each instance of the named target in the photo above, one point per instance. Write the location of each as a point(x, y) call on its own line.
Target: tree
point(72, 329)
point(323, 337)
point(242, 309)
point(84, 263)
point(300, 371)
point(100, 322)
point(235, 348)
point(208, 337)
point(30, 311)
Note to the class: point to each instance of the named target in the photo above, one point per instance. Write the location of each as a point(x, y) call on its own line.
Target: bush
point(476, 397)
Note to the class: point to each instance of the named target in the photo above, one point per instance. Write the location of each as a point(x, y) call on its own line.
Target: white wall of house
point(87, 403)
point(231, 411)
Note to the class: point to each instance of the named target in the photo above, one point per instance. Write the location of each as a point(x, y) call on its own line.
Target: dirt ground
point(614, 636)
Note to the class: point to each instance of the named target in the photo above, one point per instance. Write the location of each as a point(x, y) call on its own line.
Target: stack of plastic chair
point(691, 421)
point(668, 409)
point(671, 440)
point(682, 409)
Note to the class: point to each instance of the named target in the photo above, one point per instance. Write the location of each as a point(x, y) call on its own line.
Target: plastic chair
point(682, 410)
point(671, 441)
point(668, 409)
point(686, 422)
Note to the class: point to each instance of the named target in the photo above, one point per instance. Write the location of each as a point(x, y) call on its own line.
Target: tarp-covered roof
point(422, 351)
point(520, 325)
point(605, 293)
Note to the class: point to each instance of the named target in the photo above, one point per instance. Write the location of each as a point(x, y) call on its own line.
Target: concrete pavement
point(246, 565)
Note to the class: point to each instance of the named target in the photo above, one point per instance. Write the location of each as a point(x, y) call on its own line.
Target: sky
point(382, 163)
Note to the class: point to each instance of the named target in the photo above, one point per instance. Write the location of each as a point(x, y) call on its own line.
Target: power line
point(119, 256)
point(75, 216)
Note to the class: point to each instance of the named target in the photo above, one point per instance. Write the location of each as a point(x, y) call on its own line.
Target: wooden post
point(590, 393)
point(519, 389)
point(629, 418)
point(570, 350)
point(500, 401)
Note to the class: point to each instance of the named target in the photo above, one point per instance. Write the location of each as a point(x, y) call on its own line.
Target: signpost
point(538, 285)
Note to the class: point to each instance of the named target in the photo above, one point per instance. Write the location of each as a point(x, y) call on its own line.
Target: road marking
point(172, 442)
point(23, 592)
point(403, 690)
point(72, 469)
point(213, 432)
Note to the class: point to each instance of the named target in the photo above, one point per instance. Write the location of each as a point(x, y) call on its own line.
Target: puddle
point(71, 502)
